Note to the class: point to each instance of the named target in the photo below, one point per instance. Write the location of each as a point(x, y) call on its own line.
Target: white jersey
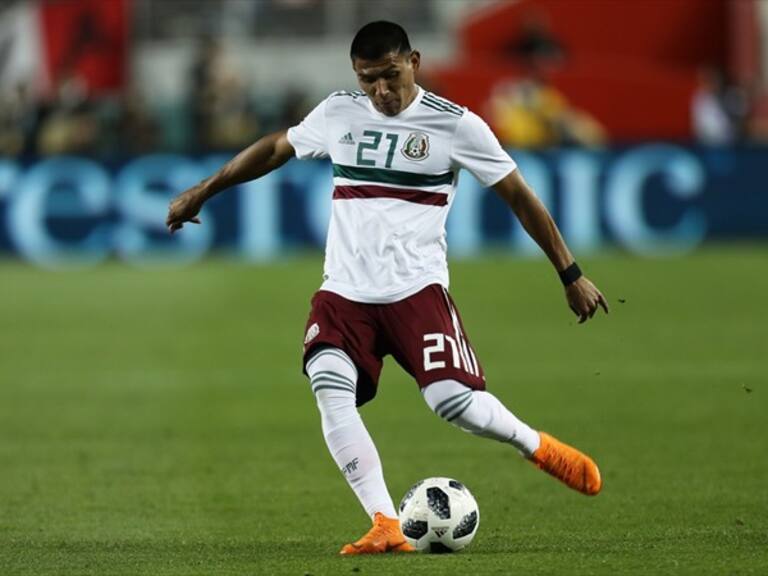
point(394, 181)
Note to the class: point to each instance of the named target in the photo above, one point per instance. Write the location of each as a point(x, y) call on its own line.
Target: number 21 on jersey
point(459, 353)
point(373, 145)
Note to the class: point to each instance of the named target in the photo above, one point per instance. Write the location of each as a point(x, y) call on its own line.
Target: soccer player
point(397, 150)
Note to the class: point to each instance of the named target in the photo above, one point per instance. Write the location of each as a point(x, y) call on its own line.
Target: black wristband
point(570, 274)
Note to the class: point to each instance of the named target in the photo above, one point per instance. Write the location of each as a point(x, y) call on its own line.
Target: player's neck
point(408, 100)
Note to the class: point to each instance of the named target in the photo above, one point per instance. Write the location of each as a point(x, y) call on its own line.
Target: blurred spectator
point(232, 122)
point(18, 121)
point(712, 122)
point(758, 117)
point(208, 60)
point(221, 113)
point(69, 124)
point(530, 113)
point(296, 105)
point(137, 131)
point(537, 45)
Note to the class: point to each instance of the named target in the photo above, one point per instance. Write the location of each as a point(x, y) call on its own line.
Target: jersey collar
point(403, 113)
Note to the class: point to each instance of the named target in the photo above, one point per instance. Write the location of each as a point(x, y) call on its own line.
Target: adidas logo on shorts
point(347, 139)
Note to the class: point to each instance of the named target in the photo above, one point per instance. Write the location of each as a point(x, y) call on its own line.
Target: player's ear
point(415, 60)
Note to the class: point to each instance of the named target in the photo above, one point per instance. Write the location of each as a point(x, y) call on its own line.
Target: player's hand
point(584, 298)
point(184, 208)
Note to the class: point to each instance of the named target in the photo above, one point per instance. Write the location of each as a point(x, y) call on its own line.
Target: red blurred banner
point(44, 43)
point(87, 39)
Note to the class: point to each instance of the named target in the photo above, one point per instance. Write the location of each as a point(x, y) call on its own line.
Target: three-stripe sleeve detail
point(441, 105)
point(444, 102)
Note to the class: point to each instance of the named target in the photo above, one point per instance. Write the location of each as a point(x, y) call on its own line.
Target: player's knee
point(337, 408)
point(335, 396)
point(332, 369)
point(333, 378)
point(453, 402)
point(472, 418)
point(459, 405)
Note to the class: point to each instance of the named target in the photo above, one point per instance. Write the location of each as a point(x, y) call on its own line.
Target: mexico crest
point(416, 146)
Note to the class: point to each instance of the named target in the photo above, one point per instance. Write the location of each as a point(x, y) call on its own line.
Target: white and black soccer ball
point(439, 515)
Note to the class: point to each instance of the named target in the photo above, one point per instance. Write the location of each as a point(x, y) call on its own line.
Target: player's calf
point(480, 413)
point(333, 377)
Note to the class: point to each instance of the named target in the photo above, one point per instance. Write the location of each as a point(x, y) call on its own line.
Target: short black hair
point(377, 39)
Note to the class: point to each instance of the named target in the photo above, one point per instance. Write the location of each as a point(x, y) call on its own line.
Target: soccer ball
point(439, 515)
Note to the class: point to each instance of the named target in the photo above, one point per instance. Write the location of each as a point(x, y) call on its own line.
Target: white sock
point(334, 378)
point(480, 413)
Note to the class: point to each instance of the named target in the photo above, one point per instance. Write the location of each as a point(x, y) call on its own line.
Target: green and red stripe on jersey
point(396, 177)
point(373, 191)
point(391, 176)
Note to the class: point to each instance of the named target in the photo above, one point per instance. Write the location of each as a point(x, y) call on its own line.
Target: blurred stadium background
point(637, 130)
point(153, 419)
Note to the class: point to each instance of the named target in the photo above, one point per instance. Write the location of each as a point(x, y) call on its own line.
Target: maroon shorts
point(423, 332)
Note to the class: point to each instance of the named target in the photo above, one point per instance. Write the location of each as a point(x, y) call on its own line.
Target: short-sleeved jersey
point(394, 181)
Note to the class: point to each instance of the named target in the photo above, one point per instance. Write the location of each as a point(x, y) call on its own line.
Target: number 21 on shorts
point(458, 353)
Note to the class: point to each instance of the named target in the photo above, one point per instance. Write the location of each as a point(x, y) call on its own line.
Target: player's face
point(390, 82)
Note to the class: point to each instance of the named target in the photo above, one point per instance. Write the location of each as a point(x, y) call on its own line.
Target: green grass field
point(155, 421)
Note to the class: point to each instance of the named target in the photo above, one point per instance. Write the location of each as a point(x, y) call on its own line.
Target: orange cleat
point(385, 536)
point(575, 469)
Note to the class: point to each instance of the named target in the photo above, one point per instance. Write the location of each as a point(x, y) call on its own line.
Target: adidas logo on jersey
point(347, 139)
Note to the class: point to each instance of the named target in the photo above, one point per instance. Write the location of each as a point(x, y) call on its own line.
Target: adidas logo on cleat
point(347, 139)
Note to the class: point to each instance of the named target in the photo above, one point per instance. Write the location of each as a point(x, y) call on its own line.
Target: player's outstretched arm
point(260, 158)
point(582, 296)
